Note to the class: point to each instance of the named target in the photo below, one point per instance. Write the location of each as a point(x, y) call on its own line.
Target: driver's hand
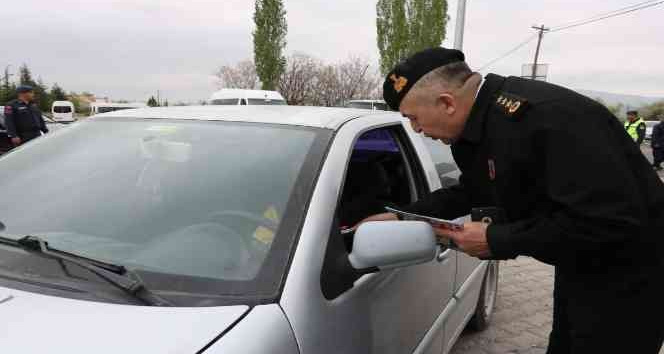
point(377, 217)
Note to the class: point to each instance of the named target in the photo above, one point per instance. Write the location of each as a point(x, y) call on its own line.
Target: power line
point(577, 23)
point(606, 17)
point(605, 14)
point(528, 40)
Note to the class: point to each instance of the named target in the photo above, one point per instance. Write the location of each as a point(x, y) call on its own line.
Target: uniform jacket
point(657, 138)
point(577, 192)
point(24, 120)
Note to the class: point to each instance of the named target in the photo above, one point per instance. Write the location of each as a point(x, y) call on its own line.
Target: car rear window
point(62, 109)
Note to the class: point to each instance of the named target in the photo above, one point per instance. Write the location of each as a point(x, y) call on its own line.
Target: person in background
point(657, 143)
point(636, 127)
point(23, 118)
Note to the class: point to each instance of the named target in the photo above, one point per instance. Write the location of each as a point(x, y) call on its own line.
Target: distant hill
point(629, 101)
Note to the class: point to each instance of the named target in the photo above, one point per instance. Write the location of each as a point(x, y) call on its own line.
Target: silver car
point(226, 230)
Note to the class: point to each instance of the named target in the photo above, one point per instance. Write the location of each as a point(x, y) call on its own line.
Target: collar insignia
point(512, 105)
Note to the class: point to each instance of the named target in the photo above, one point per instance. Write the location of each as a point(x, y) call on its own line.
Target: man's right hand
point(16, 141)
point(378, 217)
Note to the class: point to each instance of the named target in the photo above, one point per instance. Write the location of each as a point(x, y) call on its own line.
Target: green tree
point(57, 93)
point(25, 76)
point(42, 96)
point(653, 111)
point(76, 101)
point(269, 41)
point(165, 103)
point(152, 102)
point(404, 27)
point(7, 88)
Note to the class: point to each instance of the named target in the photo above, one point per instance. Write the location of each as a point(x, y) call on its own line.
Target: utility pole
point(460, 24)
point(541, 30)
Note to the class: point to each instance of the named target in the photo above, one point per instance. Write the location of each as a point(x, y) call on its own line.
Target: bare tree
point(308, 81)
point(356, 79)
point(299, 79)
point(351, 79)
point(326, 91)
point(240, 76)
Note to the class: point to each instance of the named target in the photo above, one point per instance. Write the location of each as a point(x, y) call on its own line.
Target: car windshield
point(207, 202)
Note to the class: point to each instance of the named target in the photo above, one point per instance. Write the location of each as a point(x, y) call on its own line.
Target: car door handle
point(443, 254)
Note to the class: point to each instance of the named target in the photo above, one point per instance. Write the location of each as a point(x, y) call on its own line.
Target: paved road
point(522, 320)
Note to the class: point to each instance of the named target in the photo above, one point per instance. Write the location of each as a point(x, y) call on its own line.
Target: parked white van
point(105, 107)
point(225, 97)
point(62, 111)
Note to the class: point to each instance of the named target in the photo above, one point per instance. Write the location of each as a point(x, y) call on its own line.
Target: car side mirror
point(393, 244)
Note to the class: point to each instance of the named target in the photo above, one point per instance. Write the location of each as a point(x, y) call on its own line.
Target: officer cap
point(404, 76)
point(633, 113)
point(24, 89)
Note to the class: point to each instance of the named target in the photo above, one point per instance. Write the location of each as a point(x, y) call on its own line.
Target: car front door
point(449, 173)
point(391, 311)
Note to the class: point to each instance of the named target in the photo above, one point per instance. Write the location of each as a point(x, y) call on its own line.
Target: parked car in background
point(62, 111)
point(235, 97)
point(379, 105)
point(233, 224)
point(649, 125)
point(103, 107)
point(5, 144)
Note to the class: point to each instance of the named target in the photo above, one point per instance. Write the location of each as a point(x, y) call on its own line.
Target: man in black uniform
point(576, 191)
point(657, 141)
point(23, 118)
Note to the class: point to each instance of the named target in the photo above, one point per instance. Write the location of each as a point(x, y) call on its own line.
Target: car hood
point(35, 323)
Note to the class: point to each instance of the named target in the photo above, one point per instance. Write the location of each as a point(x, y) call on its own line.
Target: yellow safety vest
point(632, 128)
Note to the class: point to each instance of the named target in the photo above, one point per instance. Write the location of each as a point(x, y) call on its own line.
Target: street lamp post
point(460, 24)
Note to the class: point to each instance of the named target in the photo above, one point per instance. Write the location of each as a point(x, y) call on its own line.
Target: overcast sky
point(129, 49)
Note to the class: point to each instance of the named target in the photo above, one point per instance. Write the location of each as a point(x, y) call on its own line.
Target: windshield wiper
point(116, 275)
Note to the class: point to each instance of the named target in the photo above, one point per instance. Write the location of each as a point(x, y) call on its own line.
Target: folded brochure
point(441, 223)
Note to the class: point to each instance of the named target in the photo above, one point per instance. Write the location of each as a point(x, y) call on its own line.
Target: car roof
point(366, 101)
point(240, 93)
point(119, 105)
point(319, 117)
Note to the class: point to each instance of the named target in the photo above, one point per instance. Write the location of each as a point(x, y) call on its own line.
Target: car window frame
point(418, 183)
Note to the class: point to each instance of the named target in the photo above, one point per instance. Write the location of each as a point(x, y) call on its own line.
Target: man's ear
point(448, 103)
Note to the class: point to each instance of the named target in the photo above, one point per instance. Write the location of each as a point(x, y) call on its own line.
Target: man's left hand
point(471, 240)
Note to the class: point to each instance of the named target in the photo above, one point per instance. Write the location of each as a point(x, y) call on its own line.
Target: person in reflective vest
point(636, 127)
